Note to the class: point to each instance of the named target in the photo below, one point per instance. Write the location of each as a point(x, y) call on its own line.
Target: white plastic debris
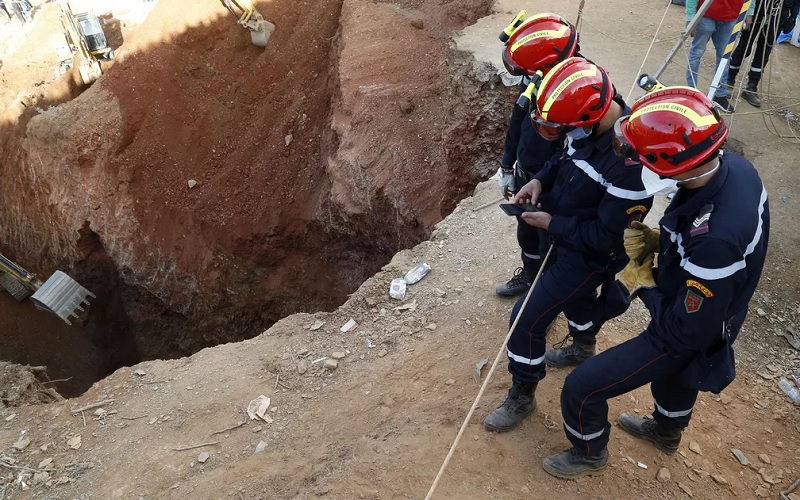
point(257, 409)
point(349, 326)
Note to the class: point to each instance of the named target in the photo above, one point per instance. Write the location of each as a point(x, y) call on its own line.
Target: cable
point(647, 54)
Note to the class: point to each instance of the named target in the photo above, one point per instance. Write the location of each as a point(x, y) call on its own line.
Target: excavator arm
point(248, 17)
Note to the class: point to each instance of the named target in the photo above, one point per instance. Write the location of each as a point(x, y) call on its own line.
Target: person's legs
point(703, 31)
point(584, 400)
point(720, 39)
point(582, 330)
point(564, 282)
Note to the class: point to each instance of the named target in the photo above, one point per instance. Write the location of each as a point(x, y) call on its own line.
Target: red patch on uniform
point(692, 302)
point(635, 218)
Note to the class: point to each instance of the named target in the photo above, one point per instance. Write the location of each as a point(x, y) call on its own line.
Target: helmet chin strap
point(706, 174)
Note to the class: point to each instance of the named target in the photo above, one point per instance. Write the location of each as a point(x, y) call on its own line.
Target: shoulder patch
point(700, 287)
point(700, 224)
point(637, 208)
point(692, 302)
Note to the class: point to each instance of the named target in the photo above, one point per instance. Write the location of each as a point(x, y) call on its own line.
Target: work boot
point(666, 440)
point(750, 94)
point(724, 103)
point(518, 284)
point(572, 355)
point(520, 403)
point(573, 464)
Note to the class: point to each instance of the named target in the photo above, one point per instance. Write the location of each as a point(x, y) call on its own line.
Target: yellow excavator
point(248, 17)
point(60, 294)
point(86, 42)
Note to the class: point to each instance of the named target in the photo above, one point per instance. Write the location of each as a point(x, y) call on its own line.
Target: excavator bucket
point(260, 32)
point(62, 296)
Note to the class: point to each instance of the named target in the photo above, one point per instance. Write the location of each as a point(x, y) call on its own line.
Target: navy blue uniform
point(712, 250)
point(527, 152)
point(593, 195)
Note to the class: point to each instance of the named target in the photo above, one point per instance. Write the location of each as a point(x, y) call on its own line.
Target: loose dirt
point(380, 424)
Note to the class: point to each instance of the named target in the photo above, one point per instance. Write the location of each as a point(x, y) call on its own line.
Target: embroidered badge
point(637, 208)
point(701, 287)
point(692, 302)
point(700, 224)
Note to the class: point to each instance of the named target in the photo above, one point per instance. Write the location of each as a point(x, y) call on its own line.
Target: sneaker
point(573, 464)
point(679, 2)
point(750, 94)
point(724, 103)
point(666, 440)
point(518, 284)
point(572, 355)
point(518, 405)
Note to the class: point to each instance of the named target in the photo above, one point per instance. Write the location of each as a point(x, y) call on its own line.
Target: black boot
point(572, 355)
point(573, 464)
point(750, 94)
point(666, 440)
point(518, 284)
point(519, 404)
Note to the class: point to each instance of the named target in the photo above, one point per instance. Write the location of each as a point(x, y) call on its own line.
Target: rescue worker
point(713, 242)
point(586, 198)
point(538, 44)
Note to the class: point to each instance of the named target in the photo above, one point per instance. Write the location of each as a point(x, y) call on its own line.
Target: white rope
point(647, 54)
point(488, 377)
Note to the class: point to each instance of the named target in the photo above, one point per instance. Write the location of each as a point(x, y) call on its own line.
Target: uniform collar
point(586, 147)
point(685, 205)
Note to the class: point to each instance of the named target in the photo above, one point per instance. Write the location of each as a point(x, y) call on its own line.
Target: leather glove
point(505, 181)
point(637, 276)
point(640, 241)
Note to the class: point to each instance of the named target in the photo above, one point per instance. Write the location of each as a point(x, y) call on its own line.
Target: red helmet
point(575, 93)
point(672, 131)
point(538, 44)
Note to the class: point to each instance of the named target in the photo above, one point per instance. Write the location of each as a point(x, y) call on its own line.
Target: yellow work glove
point(640, 240)
point(636, 276)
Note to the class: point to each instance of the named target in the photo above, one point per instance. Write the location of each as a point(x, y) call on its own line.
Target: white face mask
point(655, 185)
point(579, 133)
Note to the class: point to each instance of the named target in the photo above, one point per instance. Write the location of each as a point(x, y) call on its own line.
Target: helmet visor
point(510, 66)
point(622, 147)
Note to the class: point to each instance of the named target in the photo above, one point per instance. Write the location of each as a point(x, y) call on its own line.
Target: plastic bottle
point(791, 390)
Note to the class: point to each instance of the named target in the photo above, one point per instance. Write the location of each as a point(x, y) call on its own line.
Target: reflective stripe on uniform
point(585, 437)
point(580, 328)
point(524, 360)
point(672, 414)
point(610, 188)
point(532, 256)
point(722, 272)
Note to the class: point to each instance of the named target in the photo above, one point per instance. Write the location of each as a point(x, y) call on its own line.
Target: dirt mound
point(20, 387)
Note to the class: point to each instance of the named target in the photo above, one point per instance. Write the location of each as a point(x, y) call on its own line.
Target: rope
point(596, 29)
point(647, 54)
point(488, 377)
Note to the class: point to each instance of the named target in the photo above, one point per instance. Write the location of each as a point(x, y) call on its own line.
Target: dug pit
point(311, 163)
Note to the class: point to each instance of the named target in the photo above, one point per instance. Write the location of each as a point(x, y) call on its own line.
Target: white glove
point(505, 181)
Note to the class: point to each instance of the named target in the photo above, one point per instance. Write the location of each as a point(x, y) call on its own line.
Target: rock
point(330, 364)
point(371, 301)
point(316, 326)
point(21, 443)
point(765, 458)
point(288, 139)
point(140, 373)
point(431, 326)
point(338, 355)
point(257, 429)
point(382, 353)
point(740, 456)
point(203, 457)
point(773, 368)
point(725, 399)
point(779, 444)
point(439, 293)
point(762, 492)
point(261, 446)
point(11, 417)
point(44, 463)
point(302, 366)
point(74, 443)
point(761, 312)
point(450, 381)
point(406, 106)
point(767, 478)
point(192, 183)
point(695, 447)
point(719, 479)
point(685, 489)
point(40, 477)
point(663, 475)
point(793, 496)
point(688, 463)
point(417, 23)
